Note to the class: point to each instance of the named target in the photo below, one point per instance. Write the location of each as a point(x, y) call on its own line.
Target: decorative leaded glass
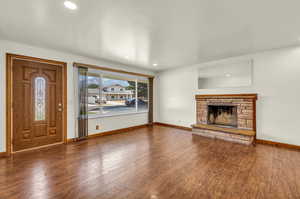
point(40, 98)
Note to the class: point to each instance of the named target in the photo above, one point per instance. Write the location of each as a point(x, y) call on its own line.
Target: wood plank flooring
point(152, 163)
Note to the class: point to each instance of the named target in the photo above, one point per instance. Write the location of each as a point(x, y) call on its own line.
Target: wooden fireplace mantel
point(228, 96)
point(225, 129)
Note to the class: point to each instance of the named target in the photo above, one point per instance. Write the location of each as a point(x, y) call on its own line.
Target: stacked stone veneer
point(246, 105)
point(245, 110)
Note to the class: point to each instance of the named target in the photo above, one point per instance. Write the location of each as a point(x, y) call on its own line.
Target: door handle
point(60, 107)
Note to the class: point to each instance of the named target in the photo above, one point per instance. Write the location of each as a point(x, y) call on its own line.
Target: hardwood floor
point(153, 163)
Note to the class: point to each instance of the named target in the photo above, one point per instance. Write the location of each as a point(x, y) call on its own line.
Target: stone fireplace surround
point(245, 131)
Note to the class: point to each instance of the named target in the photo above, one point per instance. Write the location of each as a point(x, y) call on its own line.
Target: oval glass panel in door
point(40, 98)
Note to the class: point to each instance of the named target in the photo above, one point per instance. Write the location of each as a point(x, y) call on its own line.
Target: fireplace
point(230, 117)
point(222, 115)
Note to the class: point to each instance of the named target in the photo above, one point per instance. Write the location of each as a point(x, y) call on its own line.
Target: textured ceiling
point(170, 33)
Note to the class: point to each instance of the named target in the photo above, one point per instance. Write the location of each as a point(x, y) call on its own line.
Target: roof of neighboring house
point(94, 91)
point(127, 92)
point(114, 85)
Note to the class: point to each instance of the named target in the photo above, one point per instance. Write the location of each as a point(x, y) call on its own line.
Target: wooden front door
point(37, 104)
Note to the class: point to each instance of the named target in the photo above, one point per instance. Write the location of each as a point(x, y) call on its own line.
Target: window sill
point(115, 115)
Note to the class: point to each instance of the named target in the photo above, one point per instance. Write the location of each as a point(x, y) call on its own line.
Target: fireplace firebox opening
point(222, 115)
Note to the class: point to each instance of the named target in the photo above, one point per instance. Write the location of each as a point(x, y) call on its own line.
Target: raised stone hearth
point(227, 117)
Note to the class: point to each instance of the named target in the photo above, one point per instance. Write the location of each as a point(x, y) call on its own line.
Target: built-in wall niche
point(226, 75)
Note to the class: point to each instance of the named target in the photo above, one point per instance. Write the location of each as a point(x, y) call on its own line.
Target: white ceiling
point(171, 33)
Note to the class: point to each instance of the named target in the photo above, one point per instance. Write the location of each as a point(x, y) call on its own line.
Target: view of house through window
point(142, 95)
point(116, 94)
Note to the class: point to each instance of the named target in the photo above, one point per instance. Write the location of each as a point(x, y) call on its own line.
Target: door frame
point(9, 96)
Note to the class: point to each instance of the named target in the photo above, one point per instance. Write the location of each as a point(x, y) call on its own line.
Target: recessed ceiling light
point(228, 75)
point(154, 64)
point(70, 5)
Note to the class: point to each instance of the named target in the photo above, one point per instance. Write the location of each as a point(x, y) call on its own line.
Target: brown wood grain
point(3, 154)
point(10, 58)
point(158, 162)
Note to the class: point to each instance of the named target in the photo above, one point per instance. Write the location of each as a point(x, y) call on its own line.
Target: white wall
point(276, 80)
point(117, 122)
point(110, 123)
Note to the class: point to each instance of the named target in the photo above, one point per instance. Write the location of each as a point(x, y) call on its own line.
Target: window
point(142, 95)
point(114, 103)
point(113, 93)
point(93, 94)
point(40, 98)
